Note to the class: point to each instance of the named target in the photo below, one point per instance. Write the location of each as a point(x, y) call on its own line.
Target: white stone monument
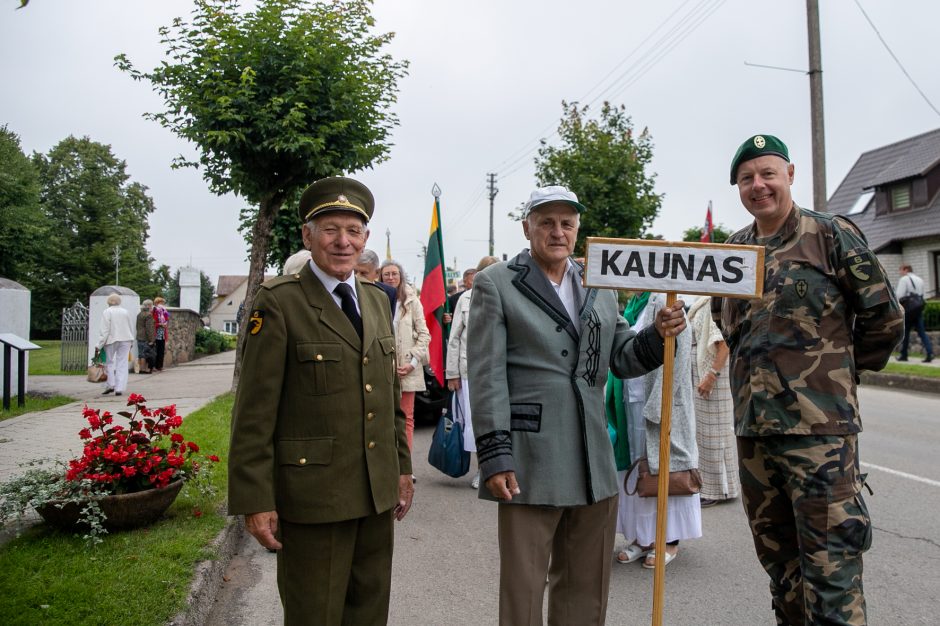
point(14, 318)
point(190, 287)
point(98, 302)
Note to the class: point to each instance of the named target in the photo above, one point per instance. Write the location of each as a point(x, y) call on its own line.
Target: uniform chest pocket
point(801, 292)
point(320, 366)
point(388, 356)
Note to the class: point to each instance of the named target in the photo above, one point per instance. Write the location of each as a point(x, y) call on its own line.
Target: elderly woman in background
point(116, 336)
point(146, 337)
point(714, 410)
point(161, 320)
point(411, 340)
point(642, 396)
point(456, 373)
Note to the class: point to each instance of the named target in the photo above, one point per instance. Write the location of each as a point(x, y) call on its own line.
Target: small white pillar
point(190, 287)
point(14, 318)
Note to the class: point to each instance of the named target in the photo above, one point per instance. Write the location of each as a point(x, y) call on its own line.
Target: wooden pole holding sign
point(722, 270)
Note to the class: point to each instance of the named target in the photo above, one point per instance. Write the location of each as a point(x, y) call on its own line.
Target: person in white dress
point(456, 369)
point(636, 518)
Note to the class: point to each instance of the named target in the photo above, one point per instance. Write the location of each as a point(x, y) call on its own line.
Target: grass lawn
point(33, 403)
point(912, 369)
point(136, 577)
point(49, 359)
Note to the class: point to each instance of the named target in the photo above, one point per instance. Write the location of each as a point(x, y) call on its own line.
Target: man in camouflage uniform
point(827, 313)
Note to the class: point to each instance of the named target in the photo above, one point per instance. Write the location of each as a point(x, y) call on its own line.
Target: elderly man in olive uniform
point(319, 464)
point(827, 313)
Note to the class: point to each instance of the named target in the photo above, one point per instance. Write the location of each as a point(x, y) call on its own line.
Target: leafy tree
point(275, 98)
point(23, 227)
point(97, 214)
point(285, 231)
point(206, 292)
point(719, 234)
point(604, 162)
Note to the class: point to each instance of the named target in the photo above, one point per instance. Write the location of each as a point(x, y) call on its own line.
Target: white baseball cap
point(552, 193)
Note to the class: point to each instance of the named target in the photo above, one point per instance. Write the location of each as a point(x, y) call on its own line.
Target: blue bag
point(446, 452)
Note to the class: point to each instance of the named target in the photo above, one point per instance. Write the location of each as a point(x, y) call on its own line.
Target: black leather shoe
point(107, 391)
point(902, 358)
point(929, 358)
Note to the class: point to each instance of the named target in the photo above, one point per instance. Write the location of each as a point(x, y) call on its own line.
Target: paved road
point(446, 559)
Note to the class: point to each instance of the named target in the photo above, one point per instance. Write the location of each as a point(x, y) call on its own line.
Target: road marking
point(920, 479)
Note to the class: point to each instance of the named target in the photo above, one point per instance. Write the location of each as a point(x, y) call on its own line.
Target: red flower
point(176, 438)
point(135, 398)
point(213, 458)
point(192, 446)
point(84, 433)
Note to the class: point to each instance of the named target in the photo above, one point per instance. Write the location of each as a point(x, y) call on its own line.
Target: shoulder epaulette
point(277, 281)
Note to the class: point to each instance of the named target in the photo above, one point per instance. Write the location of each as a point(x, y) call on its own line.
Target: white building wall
point(226, 309)
point(189, 288)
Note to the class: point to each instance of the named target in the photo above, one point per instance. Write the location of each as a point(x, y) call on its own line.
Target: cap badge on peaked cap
point(759, 142)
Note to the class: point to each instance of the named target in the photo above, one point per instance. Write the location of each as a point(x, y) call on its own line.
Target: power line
point(896, 59)
point(675, 35)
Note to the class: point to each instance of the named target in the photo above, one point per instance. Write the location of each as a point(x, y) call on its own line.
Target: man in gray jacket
point(542, 346)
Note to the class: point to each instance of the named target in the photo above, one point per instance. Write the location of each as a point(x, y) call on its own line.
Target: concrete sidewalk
point(54, 433)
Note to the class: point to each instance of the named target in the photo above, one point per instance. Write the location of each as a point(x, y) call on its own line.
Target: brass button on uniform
point(302, 461)
point(368, 388)
point(365, 360)
point(371, 444)
point(319, 357)
point(370, 416)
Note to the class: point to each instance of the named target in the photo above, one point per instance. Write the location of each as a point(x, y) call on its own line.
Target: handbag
point(446, 452)
point(681, 483)
point(96, 371)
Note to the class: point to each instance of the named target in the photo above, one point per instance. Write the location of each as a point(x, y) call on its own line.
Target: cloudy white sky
point(486, 82)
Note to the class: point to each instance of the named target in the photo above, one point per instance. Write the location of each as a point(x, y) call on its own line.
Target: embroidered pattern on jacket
point(592, 357)
point(492, 445)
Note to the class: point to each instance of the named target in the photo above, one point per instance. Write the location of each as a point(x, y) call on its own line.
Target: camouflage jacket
point(826, 314)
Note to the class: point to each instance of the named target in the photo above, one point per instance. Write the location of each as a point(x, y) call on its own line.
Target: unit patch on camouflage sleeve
point(255, 322)
point(801, 287)
point(861, 267)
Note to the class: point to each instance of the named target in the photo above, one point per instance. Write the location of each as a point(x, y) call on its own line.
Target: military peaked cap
point(336, 193)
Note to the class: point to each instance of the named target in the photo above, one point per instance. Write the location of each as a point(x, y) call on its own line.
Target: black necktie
point(348, 304)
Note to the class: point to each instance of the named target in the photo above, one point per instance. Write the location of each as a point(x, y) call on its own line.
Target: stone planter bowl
point(123, 511)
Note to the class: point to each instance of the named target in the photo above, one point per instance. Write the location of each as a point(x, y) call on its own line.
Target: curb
point(207, 579)
point(902, 381)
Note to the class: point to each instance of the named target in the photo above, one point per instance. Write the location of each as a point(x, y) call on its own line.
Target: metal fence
point(75, 337)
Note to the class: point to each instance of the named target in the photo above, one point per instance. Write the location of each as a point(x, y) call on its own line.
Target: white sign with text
point(680, 267)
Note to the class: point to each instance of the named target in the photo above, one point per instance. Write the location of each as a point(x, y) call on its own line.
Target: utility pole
point(816, 106)
point(117, 265)
point(491, 185)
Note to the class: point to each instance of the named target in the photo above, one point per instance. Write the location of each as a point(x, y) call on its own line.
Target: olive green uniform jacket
point(317, 430)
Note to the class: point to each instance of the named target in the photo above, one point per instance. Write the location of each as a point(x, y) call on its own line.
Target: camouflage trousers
point(809, 522)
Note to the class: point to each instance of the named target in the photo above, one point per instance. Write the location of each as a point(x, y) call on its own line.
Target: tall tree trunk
point(260, 240)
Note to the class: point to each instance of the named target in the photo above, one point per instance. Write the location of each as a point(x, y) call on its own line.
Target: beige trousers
point(579, 542)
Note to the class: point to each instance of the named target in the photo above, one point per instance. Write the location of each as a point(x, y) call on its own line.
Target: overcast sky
point(486, 82)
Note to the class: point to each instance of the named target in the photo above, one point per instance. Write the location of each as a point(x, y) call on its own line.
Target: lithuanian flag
point(434, 294)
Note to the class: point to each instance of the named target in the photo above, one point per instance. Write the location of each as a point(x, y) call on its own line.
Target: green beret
point(336, 193)
point(756, 146)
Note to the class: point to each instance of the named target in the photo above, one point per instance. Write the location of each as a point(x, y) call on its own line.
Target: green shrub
point(932, 315)
point(210, 341)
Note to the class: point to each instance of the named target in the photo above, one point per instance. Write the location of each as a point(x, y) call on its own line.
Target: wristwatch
point(714, 372)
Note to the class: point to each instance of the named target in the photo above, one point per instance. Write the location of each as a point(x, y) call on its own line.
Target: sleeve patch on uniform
point(860, 265)
point(255, 322)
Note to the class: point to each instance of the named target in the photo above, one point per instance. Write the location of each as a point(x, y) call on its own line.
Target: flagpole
point(436, 192)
